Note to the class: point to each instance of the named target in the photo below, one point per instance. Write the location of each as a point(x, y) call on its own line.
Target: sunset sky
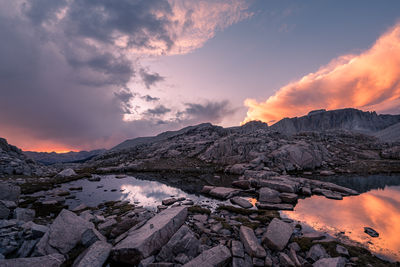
point(83, 74)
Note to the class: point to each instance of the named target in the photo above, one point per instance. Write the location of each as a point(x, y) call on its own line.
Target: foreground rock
point(94, 256)
point(277, 235)
point(63, 235)
point(216, 256)
point(52, 260)
point(250, 242)
point(244, 203)
point(330, 262)
point(151, 237)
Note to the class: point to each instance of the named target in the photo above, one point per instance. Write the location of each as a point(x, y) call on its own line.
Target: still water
point(378, 206)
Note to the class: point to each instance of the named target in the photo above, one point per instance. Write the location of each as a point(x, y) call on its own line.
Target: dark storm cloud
point(149, 98)
point(150, 79)
point(210, 111)
point(42, 10)
point(158, 110)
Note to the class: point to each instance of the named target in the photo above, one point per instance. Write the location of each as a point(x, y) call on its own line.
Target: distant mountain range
point(384, 126)
point(69, 157)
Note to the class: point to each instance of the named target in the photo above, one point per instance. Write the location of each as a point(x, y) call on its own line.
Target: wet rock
point(94, 256)
point(169, 201)
point(243, 184)
point(271, 206)
point(237, 249)
point(182, 242)
point(244, 203)
point(371, 232)
point(342, 250)
point(106, 226)
point(52, 260)
point(152, 236)
point(4, 211)
point(25, 215)
point(9, 192)
point(285, 260)
point(250, 242)
point(277, 235)
point(223, 192)
point(281, 186)
point(268, 195)
point(316, 252)
point(288, 197)
point(330, 262)
point(63, 234)
point(66, 173)
point(216, 256)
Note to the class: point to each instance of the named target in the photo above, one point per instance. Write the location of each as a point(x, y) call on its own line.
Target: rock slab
point(94, 256)
point(250, 242)
point(216, 256)
point(151, 237)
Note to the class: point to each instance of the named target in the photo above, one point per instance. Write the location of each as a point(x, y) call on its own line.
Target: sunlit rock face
point(378, 209)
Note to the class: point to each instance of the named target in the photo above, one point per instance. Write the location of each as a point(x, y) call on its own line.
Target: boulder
point(25, 215)
point(250, 242)
point(237, 249)
point(330, 262)
point(223, 192)
point(316, 252)
point(4, 211)
point(288, 197)
point(52, 260)
point(277, 235)
point(268, 195)
point(9, 192)
point(63, 234)
point(284, 185)
point(244, 203)
point(216, 256)
point(66, 173)
point(183, 241)
point(151, 237)
point(94, 256)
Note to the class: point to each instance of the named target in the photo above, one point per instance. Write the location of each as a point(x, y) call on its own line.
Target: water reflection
point(379, 209)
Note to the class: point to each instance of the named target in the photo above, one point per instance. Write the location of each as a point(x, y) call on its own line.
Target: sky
point(82, 74)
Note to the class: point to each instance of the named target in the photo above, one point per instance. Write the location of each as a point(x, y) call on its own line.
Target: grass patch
point(198, 209)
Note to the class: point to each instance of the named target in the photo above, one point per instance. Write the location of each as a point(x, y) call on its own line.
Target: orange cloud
point(369, 81)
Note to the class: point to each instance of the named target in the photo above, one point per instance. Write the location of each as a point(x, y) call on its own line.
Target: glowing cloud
point(369, 81)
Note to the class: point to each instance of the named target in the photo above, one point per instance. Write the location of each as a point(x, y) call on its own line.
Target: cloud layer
point(369, 81)
point(66, 66)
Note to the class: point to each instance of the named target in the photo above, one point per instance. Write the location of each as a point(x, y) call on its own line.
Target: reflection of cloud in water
point(378, 209)
point(149, 192)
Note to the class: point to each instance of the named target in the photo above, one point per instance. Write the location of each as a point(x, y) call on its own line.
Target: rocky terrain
point(38, 229)
point(48, 158)
point(14, 162)
point(270, 169)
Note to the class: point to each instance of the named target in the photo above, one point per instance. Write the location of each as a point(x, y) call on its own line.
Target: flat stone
point(151, 237)
point(243, 184)
point(25, 215)
point(271, 206)
point(106, 226)
point(237, 249)
point(268, 195)
point(281, 186)
point(169, 201)
point(330, 262)
point(277, 235)
point(182, 242)
point(9, 192)
point(250, 242)
point(52, 260)
point(244, 203)
point(206, 189)
point(288, 197)
point(327, 193)
point(223, 192)
point(316, 252)
point(94, 256)
point(216, 256)
point(63, 234)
